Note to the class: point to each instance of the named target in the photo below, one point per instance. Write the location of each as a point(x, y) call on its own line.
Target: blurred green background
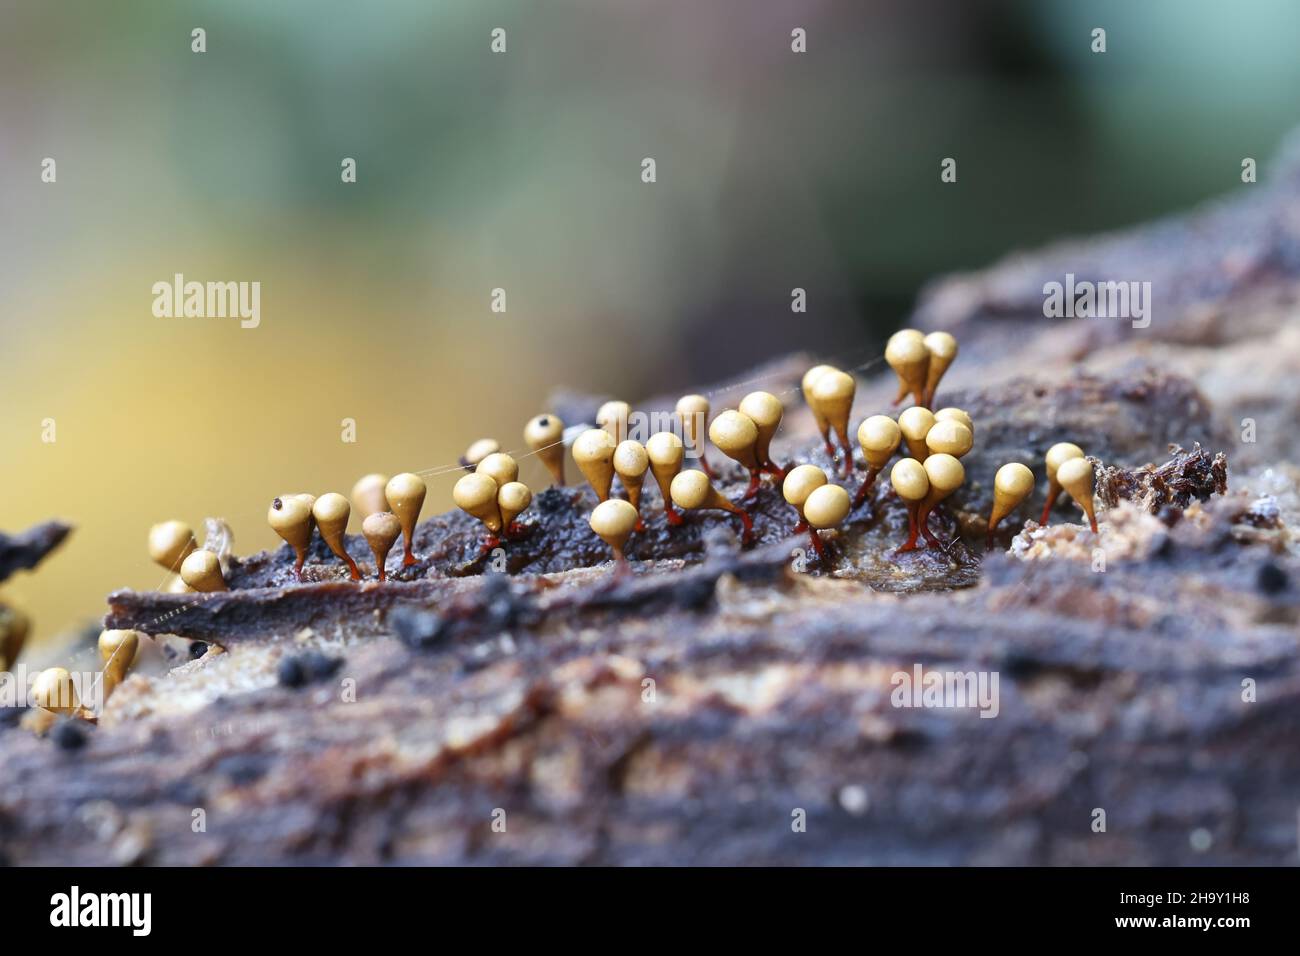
point(522, 171)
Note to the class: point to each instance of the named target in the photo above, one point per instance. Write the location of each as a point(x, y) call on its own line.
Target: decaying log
point(690, 713)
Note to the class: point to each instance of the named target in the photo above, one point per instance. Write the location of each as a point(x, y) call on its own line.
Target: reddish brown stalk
point(913, 528)
point(865, 487)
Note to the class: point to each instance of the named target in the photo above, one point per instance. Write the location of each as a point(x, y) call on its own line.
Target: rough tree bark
point(691, 714)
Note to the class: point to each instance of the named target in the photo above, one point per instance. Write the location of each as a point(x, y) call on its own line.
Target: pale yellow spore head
point(368, 494)
point(879, 437)
point(915, 423)
point(55, 691)
point(945, 474)
point(476, 495)
point(826, 507)
point(910, 481)
point(614, 521)
point(908, 356)
point(331, 512)
point(543, 430)
point(736, 436)
point(613, 418)
point(513, 498)
point(479, 450)
point(1058, 454)
point(500, 467)
point(170, 543)
point(691, 490)
point(593, 451)
point(291, 519)
point(956, 415)
point(202, 571)
point(1075, 475)
point(405, 494)
point(118, 646)
point(631, 460)
point(381, 529)
point(800, 482)
point(949, 437)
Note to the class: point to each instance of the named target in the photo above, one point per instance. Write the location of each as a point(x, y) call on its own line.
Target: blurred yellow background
point(522, 171)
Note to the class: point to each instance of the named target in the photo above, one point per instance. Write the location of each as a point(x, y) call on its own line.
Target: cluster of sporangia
point(492, 493)
point(929, 473)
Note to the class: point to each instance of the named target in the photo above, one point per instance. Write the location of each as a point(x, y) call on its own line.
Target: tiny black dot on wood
point(694, 595)
point(1271, 579)
point(418, 629)
point(242, 769)
point(300, 670)
point(69, 735)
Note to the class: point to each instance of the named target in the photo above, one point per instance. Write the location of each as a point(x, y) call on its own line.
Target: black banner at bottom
point(223, 906)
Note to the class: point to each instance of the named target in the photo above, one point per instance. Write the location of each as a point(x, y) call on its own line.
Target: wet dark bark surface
point(695, 712)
